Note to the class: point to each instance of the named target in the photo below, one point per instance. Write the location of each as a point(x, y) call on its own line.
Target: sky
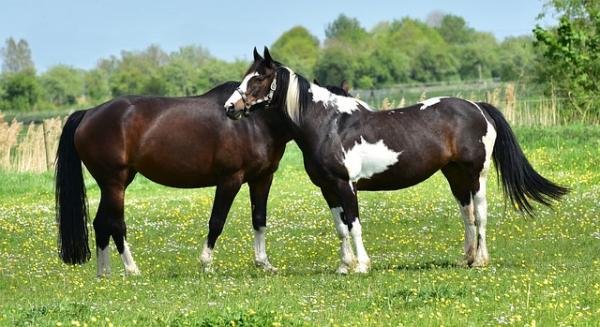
point(79, 33)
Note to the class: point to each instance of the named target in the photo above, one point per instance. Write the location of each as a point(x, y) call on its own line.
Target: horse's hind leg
point(464, 185)
point(259, 193)
point(482, 257)
point(226, 192)
point(110, 221)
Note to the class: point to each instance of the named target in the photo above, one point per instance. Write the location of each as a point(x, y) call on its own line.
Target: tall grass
point(531, 111)
point(31, 147)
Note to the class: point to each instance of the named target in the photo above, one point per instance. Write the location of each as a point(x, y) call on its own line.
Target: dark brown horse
point(348, 147)
point(181, 142)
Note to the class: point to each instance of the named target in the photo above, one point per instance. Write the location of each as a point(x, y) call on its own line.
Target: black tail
point(520, 182)
point(71, 202)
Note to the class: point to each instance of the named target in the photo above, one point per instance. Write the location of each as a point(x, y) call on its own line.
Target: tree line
point(562, 59)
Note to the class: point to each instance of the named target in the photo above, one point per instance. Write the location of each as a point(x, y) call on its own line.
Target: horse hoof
point(480, 262)
point(361, 268)
point(343, 270)
point(265, 266)
point(207, 269)
point(133, 272)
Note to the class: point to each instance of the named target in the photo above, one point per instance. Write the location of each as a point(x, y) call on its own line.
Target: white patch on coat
point(331, 100)
point(127, 258)
point(346, 253)
point(430, 102)
point(103, 261)
point(366, 159)
point(487, 140)
point(236, 96)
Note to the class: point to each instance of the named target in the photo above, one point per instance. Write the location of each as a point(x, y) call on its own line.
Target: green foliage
point(20, 91)
point(571, 56)
point(454, 29)
point(298, 49)
point(516, 58)
point(345, 29)
point(62, 85)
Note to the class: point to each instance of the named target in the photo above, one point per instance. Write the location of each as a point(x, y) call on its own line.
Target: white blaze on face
point(340, 103)
point(430, 102)
point(236, 96)
point(366, 159)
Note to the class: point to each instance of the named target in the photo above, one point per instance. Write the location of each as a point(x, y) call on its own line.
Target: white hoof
point(266, 266)
point(132, 271)
point(343, 269)
point(361, 268)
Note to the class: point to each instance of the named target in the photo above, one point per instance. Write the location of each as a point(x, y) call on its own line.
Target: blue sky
point(78, 33)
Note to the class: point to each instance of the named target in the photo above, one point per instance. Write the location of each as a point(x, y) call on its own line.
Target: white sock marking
point(206, 256)
point(361, 253)
point(346, 253)
point(103, 261)
point(468, 214)
point(366, 159)
point(127, 258)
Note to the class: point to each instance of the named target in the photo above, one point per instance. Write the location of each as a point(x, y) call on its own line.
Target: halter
point(268, 98)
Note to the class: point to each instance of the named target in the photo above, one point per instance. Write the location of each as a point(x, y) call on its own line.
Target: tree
point(571, 55)
point(20, 91)
point(516, 57)
point(454, 29)
point(96, 86)
point(297, 48)
point(62, 85)
point(345, 29)
point(335, 64)
point(16, 56)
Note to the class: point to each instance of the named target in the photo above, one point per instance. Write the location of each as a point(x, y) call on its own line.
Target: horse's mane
point(292, 92)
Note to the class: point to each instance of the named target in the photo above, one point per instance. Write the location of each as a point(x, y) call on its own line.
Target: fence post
point(48, 164)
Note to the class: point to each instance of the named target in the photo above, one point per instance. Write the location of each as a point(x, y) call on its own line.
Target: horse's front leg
point(226, 192)
point(349, 215)
point(346, 253)
point(259, 193)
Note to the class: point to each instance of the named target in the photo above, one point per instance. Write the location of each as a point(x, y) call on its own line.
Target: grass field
point(544, 271)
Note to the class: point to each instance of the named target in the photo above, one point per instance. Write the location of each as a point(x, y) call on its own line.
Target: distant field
point(544, 271)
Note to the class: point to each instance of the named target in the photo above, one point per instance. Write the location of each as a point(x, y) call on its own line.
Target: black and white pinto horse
point(348, 147)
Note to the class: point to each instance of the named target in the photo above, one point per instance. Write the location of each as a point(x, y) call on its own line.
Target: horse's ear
point(316, 82)
point(257, 56)
point(345, 86)
point(268, 59)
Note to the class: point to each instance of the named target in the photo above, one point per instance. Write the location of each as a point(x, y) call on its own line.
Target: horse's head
point(258, 86)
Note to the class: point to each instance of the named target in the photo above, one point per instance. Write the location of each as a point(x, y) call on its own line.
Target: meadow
point(544, 271)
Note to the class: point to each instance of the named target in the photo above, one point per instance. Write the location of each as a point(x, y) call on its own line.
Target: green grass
point(544, 270)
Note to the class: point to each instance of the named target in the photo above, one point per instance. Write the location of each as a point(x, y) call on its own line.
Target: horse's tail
point(520, 182)
point(71, 201)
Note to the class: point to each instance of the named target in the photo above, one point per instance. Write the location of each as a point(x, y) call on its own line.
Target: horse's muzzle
point(232, 113)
